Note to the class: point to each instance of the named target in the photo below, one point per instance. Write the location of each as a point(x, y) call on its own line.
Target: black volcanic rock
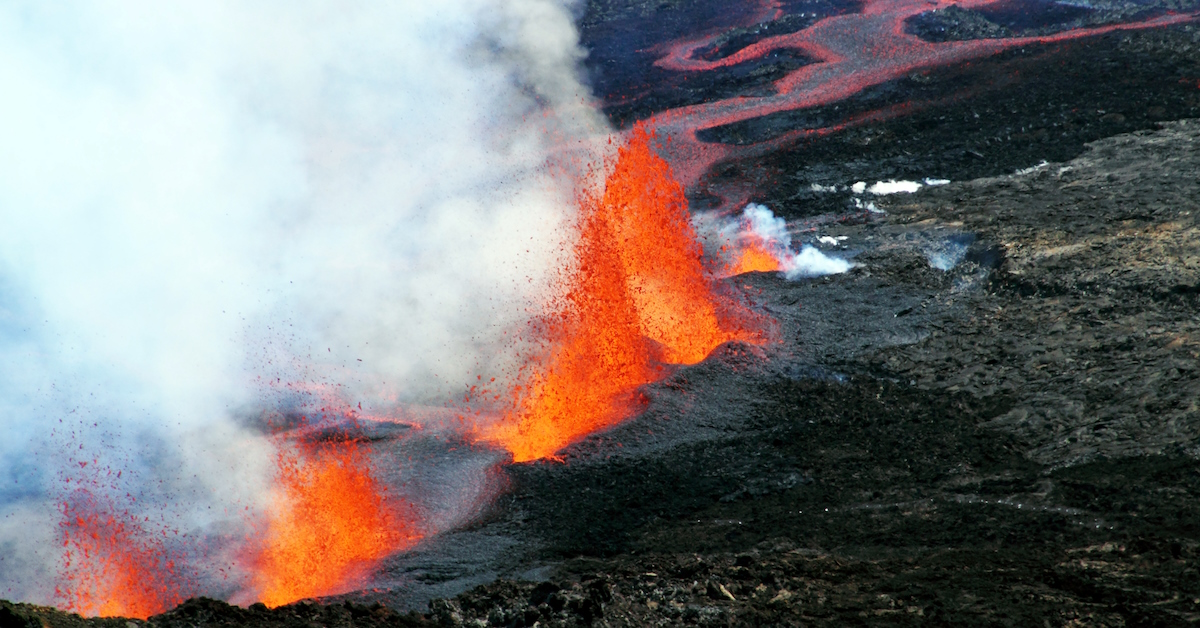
point(200, 612)
point(1025, 18)
point(991, 419)
point(989, 117)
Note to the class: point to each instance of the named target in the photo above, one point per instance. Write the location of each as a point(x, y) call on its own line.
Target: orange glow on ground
point(637, 294)
point(330, 524)
point(111, 566)
point(754, 257)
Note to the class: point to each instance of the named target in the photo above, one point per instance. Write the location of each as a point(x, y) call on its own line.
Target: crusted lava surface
point(625, 38)
point(991, 419)
point(984, 118)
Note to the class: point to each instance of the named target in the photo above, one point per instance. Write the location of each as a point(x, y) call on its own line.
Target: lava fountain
point(754, 257)
point(753, 251)
point(329, 523)
point(636, 297)
point(111, 565)
point(652, 234)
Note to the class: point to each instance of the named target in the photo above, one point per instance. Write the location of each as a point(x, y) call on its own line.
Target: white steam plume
point(758, 226)
point(199, 198)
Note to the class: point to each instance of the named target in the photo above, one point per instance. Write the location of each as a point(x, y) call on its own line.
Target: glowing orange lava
point(753, 256)
point(661, 255)
point(598, 356)
point(330, 524)
point(637, 294)
point(111, 566)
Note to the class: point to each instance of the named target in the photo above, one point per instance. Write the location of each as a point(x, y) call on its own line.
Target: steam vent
point(570, 313)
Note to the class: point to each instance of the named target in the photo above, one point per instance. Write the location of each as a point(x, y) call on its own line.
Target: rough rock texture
point(1023, 18)
point(1029, 456)
point(207, 612)
point(992, 419)
point(1091, 323)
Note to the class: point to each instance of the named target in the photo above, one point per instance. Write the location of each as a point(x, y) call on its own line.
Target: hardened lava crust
point(991, 419)
point(1011, 441)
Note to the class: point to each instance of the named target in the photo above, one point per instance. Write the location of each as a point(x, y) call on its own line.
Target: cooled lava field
point(992, 418)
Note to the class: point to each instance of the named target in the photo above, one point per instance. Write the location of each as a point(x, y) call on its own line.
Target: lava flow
point(637, 296)
point(111, 566)
point(330, 523)
point(854, 51)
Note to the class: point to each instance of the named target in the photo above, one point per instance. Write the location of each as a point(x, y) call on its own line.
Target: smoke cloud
point(211, 209)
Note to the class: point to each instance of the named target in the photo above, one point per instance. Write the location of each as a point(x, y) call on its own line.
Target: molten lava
point(637, 294)
point(597, 357)
point(330, 524)
point(754, 256)
point(111, 566)
point(853, 51)
point(647, 212)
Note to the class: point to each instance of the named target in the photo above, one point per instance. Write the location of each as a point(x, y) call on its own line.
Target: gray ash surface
point(1014, 440)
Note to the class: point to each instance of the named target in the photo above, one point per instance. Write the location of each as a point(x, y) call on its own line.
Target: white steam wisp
point(758, 229)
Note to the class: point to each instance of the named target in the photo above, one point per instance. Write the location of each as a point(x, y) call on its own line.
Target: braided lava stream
point(853, 51)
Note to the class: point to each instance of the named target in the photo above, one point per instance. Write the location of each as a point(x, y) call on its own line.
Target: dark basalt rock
point(985, 118)
point(1010, 441)
point(1025, 18)
point(202, 611)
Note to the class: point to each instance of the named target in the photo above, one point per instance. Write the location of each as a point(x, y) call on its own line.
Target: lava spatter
point(112, 566)
point(329, 523)
point(637, 295)
point(661, 255)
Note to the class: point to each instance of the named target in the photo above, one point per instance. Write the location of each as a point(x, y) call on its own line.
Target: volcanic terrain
point(992, 418)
